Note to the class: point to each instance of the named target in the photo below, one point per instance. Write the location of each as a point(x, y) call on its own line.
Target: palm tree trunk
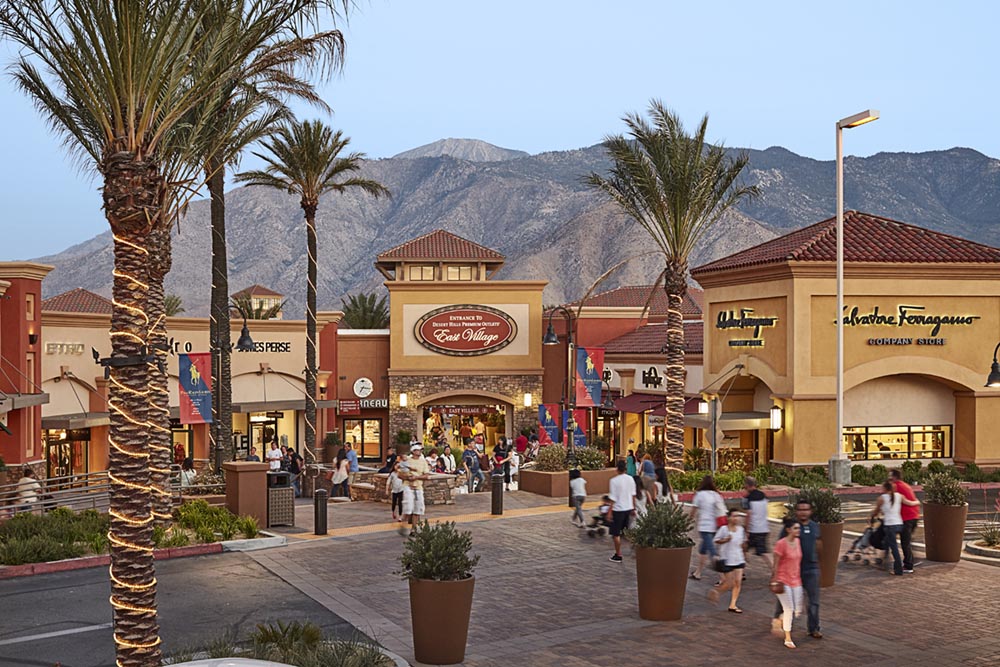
point(160, 440)
point(132, 195)
point(310, 211)
point(675, 287)
point(222, 426)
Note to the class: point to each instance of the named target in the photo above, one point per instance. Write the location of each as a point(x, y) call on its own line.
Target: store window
point(366, 436)
point(459, 273)
point(182, 436)
point(421, 273)
point(66, 452)
point(877, 443)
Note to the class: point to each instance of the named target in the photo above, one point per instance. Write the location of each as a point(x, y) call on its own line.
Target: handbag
point(776, 587)
point(720, 507)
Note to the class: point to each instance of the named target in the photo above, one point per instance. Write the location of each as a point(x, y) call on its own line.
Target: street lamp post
point(551, 338)
point(244, 344)
point(839, 470)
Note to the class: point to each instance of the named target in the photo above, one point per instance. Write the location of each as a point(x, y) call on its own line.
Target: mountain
point(472, 150)
point(536, 211)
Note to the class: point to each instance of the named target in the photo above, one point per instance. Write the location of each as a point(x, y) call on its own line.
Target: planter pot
point(944, 531)
point(661, 575)
point(556, 484)
point(435, 605)
point(829, 557)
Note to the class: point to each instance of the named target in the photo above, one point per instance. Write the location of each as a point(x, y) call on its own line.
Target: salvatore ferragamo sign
point(465, 330)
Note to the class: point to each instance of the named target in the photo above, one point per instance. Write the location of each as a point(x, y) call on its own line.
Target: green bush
point(590, 458)
point(861, 475)
point(879, 473)
point(37, 549)
point(944, 490)
point(912, 471)
point(697, 458)
point(731, 480)
point(248, 526)
point(438, 552)
point(973, 473)
point(990, 532)
point(207, 521)
point(551, 458)
point(825, 503)
point(60, 534)
point(301, 645)
point(936, 468)
point(663, 526)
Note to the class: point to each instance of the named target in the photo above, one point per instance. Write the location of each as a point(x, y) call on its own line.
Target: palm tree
point(244, 306)
point(173, 305)
point(305, 160)
point(676, 186)
point(112, 78)
point(362, 311)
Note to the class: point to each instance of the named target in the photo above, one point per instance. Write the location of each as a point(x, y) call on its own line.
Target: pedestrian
point(473, 471)
point(707, 505)
point(295, 464)
point(786, 577)
point(648, 469)
point(731, 539)
point(465, 433)
point(630, 461)
point(274, 457)
point(890, 505)
point(809, 540)
point(341, 475)
point(501, 460)
point(28, 490)
point(413, 490)
point(394, 488)
point(285, 459)
point(432, 457)
point(578, 492)
point(515, 469)
point(621, 490)
point(448, 460)
point(480, 427)
point(758, 530)
point(352, 462)
point(521, 443)
point(390, 460)
point(252, 456)
point(910, 514)
point(188, 473)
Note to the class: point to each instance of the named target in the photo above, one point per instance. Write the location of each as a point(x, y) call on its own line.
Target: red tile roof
point(636, 296)
point(867, 238)
point(77, 300)
point(440, 245)
point(650, 339)
point(257, 290)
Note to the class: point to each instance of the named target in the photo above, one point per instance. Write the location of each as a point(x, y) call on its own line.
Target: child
point(577, 491)
point(394, 485)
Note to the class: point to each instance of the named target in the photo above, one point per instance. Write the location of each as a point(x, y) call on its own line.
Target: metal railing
point(76, 492)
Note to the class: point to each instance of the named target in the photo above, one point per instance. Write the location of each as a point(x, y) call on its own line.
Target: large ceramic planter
point(435, 605)
point(829, 558)
point(556, 484)
point(944, 531)
point(661, 575)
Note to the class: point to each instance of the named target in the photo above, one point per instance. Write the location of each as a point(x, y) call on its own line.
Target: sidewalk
point(546, 595)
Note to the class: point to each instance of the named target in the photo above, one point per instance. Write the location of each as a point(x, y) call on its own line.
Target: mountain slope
point(472, 150)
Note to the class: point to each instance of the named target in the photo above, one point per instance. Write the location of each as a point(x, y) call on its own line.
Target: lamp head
point(994, 379)
point(245, 343)
point(857, 119)
point(550, 337)
point(609, 403)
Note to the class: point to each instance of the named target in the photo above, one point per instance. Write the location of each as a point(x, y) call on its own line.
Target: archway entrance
point(450, 420)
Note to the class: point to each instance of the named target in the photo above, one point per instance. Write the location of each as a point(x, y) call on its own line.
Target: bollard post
point(496, 505)
point(319, 512)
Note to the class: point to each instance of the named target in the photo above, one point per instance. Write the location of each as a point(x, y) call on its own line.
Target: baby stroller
point(869, 547)
point(599, 523)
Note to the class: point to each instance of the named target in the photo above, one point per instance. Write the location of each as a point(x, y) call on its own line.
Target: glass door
point(366, 437)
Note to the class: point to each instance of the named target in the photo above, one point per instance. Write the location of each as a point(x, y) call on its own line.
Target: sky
point(547, 75)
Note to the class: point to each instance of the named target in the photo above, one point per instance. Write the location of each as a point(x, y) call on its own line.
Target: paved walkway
point(547, 595)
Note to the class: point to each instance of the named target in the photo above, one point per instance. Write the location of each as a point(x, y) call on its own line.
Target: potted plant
point(826, 512)
point(437, 564)
point(945, 509)
point(331, 444)
point(662, 559)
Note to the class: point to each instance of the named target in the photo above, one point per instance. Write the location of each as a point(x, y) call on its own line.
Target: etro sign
point(465, 330)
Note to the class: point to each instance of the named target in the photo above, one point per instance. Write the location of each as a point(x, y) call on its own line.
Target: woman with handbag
point(786, 578)
point(705, 514)
point(341, 475)
point(731, 539)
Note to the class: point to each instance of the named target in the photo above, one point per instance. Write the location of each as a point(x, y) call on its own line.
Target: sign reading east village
point(744, 319)
point(905, 316)
point(465, 330)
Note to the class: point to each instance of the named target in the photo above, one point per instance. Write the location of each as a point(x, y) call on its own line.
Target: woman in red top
point(788, 572)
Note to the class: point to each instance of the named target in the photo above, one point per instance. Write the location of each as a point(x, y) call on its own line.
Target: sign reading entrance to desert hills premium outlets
point(465, 330)
point(745, 319)
point(904, 316)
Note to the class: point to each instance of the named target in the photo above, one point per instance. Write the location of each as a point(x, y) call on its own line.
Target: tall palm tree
point(112, 78)
point(304, 159)
point(676, 186)
point(365, 311)
point(173, 305)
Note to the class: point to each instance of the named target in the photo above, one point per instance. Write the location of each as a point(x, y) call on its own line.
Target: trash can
point(280, 499)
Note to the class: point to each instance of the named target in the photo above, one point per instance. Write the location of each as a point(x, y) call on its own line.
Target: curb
point(982, 552)
point(30, 569)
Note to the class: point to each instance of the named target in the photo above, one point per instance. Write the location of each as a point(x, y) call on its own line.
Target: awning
point(731, 421)
point(16, 401)
point(638, 402)
point(77, 420)
point(690, 408)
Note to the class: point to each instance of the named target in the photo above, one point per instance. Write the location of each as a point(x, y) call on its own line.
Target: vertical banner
point(548, 421)
point(589, 371)
point(580, 432)
point(195, 387)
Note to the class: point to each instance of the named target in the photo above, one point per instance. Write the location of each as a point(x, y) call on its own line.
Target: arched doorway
point(446, 418)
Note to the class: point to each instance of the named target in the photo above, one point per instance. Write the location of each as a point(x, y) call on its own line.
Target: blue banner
point(195, 387)
point(579, 433)
point(589, 371)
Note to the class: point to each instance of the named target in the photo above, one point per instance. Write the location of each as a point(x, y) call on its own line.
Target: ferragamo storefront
point(921, 316)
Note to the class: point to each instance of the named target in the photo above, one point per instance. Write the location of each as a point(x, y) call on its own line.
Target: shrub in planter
point(437, 563)
point(826, 512)
point(945, 509)
point(403, 437)
point(551, 458)
point(936, 468)
point(912, 471)
point(663, 554)
point(974, 474)
point(860, 475)
point(590, 458)
point(697, 458)
point(879, 473)
point(664, 526)
point(825, 503)
point(944, 490)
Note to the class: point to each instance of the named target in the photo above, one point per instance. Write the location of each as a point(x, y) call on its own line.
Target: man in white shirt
point(621, 490)
point(274, 457)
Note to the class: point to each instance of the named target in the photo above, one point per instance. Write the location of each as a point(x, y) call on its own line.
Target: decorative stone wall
point(418, 387)
point(371, 486)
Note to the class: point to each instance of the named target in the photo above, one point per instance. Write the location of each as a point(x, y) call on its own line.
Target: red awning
point(638, 402)
point(690, 408)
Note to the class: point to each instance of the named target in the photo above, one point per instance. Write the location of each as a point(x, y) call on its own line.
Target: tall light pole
point(550, 338)
point(838, 469)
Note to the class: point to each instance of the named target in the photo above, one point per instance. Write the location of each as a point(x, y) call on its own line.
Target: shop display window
point(182, 436)
point(66, 452)
point(366, 434)
point(877, 443)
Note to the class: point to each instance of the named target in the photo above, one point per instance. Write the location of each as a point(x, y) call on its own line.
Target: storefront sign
point(65, 348)
point(651, 378)
point(349, 406)
point(906, 341)
point(462, 410)
point(904, 316)
point(371, 403)
point(744, 319)
point(465, 330)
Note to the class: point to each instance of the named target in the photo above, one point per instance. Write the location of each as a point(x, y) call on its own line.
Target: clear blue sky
point(554, 75)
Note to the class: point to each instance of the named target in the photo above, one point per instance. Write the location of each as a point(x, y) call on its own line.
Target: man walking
point(413, 492)
point(758, 530)
point(621, 490)
point(809, 539)
point(910, 515)
point(352, 463)
point(470, 461)
point(274, 457)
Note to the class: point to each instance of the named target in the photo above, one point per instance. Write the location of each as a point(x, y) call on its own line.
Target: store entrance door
point(263, 431)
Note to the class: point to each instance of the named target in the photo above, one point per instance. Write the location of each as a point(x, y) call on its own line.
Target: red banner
point(349, 406)
point(194, 387)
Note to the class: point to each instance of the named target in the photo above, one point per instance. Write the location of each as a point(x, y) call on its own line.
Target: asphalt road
point(65, 619)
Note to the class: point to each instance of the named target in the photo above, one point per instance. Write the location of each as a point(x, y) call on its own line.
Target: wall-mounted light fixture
point(527, 399)
point(777, 418)
point(403, 399)
point(322, 390)
point(32, 338)
point(702, 406)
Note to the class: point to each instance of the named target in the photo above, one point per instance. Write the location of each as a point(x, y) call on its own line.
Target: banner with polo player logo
point(195, 387)
point(548, 420)
point(589, 371)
